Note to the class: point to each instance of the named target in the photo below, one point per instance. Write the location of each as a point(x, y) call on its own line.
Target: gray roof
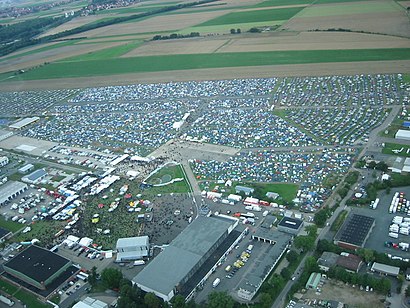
point(384, 268)
point(173, 264)
point(10, 188)
point(24, 122)
point(244, 189)
point(268, 221)
point(34, 176)
point(27, 167)
point(328, 259)
point(132, 241)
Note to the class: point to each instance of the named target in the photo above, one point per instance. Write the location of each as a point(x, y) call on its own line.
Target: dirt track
point(321, 69)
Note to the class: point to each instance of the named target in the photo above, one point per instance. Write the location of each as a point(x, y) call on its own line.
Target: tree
point(265, 300)
point(233, 31)
point(292, 256)
point(152, 301)
point(320, 218)
point(407, 292)
point(285, 273)
point(371, 164)
point(178, 301)
point(111, 277)
point(304, 242)
point(311, 230)
point(92, 278)
point(382, 166)
point(238, 31)
point(219, 300)
point(366, 254)
point(311, 265)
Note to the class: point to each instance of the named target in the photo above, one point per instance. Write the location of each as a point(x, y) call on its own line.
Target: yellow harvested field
point(315, 41)
point(154, 24)
point(24, 50)
point(394, 22)
point(50, 55)
point(314, 69)
point(180, 46)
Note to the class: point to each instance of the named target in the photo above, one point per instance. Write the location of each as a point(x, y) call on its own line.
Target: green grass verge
point(348, 9)
point(393, 128)
point(10, 225)
point(197, 61)
point(389, 147)
point(42, 230)
point(30, 300)
point(174, 172)
point(8, 287)
point(253, 16)
point(339, 221)
point(286, 191)
point(269, 3)
point(108, 53)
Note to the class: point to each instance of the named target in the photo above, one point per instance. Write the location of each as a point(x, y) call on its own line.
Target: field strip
point(290, 70)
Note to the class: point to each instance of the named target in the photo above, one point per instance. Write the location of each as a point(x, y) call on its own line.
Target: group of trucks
point(403, 246)
point(399, 225)
point(399, 204)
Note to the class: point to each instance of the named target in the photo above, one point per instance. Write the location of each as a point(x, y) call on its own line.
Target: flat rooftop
point(173, 264)
point(291, 223)
point(10, 188)
point(24, 122)
point(355, 230)
point(37, 263)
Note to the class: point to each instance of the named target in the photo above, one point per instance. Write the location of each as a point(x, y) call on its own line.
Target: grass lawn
point(30, 300)
point(389, 147)
point(166, 174)
point(108, 53)
point(349, 9)
point(10, 225)
point(286, 191)
point(7, 287)
point(42, 230)
point(253, 16)
point(196, 61)
point(393, 128)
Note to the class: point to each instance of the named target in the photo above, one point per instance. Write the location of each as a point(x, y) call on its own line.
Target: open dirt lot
point(271, 42)
point(154, 24)
point(319, 69)
point(354, 297)
point(35, 146)
point(394, 22)
point(51, 55)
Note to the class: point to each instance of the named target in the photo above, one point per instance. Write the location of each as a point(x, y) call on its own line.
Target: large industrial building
point(11, 190)
point(132, 248)
point(354, 232)
point(189, 258)
point(23, 123)
point(37, 267)
point(35, 177)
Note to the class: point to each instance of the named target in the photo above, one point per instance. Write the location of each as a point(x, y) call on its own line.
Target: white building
point(132, 248)
point(403, 134)
point(24, 122)
point(4, 160)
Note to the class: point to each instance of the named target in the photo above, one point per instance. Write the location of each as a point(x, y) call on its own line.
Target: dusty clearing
point(404, 4)
point(154, 24)
point(337, 291)
point(51, 55)
point(394, 22)
point(320, 69)
point(271, 42)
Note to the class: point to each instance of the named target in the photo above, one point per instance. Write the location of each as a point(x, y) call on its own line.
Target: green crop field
point(107, 53)
point(253, 16)
point(196, 61)
point(336, 1)
point(349, 9)
point(269, 3)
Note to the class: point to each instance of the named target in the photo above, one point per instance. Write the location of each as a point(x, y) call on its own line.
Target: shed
point(313, 281)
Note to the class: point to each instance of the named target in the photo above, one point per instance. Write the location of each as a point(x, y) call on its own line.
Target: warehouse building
point(175, 269)
point(403, 134)
point(385, 269)
point(290, 225)
point(26, 168)
point(24, 122)
point(38, 267)
point(247, 190)
point(132, 248)
point(354, 232)
point(11, 190)
point(35, 177)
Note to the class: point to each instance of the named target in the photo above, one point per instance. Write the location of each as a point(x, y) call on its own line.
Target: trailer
point(393, 235)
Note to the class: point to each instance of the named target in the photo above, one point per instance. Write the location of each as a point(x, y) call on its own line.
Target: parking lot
point(383, 219)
